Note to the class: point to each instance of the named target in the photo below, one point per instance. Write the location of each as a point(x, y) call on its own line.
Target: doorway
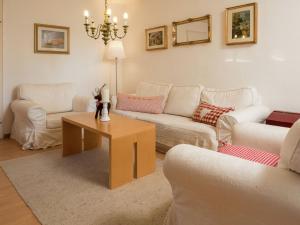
point(1, 68)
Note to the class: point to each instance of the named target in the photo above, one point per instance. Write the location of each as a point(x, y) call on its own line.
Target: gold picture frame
point(51, 39)
point(197, 39)
point(241, 24)
point(156, 38)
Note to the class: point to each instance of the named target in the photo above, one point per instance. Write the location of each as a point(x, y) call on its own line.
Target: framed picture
point(157, 38)
point(241, 24)
point(51, 39)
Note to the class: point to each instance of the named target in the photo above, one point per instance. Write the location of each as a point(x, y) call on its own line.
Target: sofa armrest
point(261, 136)
point(84, 104)
point(226, 122)
point(221, 189)
point(30, 111)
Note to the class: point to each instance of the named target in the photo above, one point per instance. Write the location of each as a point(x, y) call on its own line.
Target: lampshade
point(114, 50)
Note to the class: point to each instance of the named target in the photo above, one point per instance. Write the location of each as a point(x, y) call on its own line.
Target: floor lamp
point(115, 51)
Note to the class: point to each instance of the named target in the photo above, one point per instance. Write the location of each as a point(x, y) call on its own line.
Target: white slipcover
point(52, 98)
point(260, 136)
point(290, 152)
point(226, 122)
point(237, 98)
point(219, 189)
point(183, 100)
point(38, 113)
point(174, 130)
point(146, 89)
point(213, 188)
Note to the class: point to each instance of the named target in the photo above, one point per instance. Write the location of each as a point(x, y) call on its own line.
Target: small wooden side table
point(282, 119)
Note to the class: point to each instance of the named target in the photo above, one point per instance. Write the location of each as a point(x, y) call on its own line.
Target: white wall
point(272, 65)
point(84, 66)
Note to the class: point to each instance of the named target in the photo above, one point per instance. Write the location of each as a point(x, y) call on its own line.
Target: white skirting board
point(1, 131)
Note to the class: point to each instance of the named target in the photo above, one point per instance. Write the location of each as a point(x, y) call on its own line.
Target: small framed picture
point(157, 38)
point(51, 39)
point(241, 24)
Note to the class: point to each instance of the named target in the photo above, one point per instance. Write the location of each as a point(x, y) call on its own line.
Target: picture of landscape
point(53, 39)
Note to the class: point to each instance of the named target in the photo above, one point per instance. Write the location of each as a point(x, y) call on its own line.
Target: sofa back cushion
point(140, 104)
point(235, 98)
point(148, 89)
point(54, 98)
point(183, 100)
point(290, 150)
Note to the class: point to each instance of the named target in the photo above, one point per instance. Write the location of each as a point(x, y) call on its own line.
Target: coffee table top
point(118, 125)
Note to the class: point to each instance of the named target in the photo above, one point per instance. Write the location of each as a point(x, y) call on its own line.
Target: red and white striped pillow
point(209, 114)
point(140, 104)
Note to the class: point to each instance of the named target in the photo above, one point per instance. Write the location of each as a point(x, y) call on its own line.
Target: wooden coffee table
point(131, 144)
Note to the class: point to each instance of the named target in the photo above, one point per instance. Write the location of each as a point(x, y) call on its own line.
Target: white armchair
point(214, 188)
point(38, 112)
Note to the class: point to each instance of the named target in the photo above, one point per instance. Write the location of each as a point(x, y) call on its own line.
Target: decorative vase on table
point(103, 103)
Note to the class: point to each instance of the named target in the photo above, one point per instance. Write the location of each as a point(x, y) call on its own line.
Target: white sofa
point(38, 111)
point(214, 188)
point(175, 125)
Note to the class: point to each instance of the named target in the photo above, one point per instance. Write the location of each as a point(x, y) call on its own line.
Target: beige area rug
point(73, 191)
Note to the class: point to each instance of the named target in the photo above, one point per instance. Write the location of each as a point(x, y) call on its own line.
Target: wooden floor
point(13, 210)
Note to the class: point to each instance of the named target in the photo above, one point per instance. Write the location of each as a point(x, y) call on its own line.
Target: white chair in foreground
point(38, 112)
point(213, 188)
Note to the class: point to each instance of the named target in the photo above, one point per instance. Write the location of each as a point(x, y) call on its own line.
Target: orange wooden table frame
point(131, 144)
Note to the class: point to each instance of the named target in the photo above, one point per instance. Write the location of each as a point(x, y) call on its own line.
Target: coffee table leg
point(72, 139)
point(121, 161)
point(145, 158)
point(91, 140)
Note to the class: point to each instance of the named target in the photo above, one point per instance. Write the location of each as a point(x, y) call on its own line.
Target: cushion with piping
point(148, 89)
point(238, 98)
point(209, 114)
point(183, 100)
point(134, 103)
point(290, 150)
point(54, 98)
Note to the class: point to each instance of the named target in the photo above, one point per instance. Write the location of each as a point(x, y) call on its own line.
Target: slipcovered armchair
point(38, 112)
point(214, 188)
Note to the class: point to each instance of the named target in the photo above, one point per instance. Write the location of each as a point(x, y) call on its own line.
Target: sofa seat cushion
point(251, 154)
point(172, 130)
point(236, 98)
point(54, 119)
point(183, 100)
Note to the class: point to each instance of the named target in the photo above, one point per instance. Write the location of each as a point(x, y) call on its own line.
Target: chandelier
point(109, 29)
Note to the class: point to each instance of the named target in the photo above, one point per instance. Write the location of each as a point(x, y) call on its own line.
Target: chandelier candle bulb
point(125, 17)
point(109, 12)
point(86, 15)
point(115, 20)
